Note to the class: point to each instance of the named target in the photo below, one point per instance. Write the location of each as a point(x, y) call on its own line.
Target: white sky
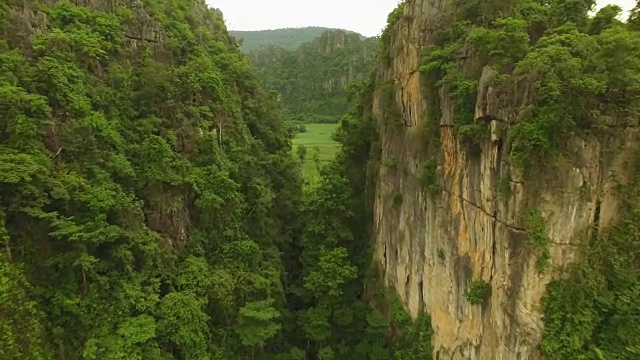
point(367, 17)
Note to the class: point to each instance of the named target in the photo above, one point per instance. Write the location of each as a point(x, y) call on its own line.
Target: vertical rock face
point(330, 62)
point(434, 245)
point(312, 78)
point(330, 41)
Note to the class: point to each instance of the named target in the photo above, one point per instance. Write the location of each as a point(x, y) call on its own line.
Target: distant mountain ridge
point(287, 38)
point(311, 79)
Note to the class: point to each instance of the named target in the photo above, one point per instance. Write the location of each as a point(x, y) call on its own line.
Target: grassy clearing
point(317, 135)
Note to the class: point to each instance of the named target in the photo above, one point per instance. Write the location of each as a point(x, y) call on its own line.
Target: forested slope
point(150, 207)
point(146, 185)
point(288, 38)
point(311, 79)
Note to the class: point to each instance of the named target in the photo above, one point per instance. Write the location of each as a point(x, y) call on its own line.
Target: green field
point(317, 135)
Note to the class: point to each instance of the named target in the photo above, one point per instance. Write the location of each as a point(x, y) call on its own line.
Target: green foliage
point(150, 200)
point(537, 238)
point(183, 322)
point(443, 53)
point(374, 342)
point(301, 151)
point(605, 19)
point(256, 322)
point(584, 313)
point(316, 157)
point(572, 75)
point(571, 11)
point(481, 12)
point(333, 271)
point(392, 113)
point(505, 43)
point(4, 12)
point(412, 337)
point(397, 200)
point(335, 256)
point(431, 119)
point(416, 340)
point(504, 186)
point(288, 38)
point(592, 313)
point(144, 189)
point(440, 64)
point(321, 136)
point(326, 353)
point(393, 19)
point(553, 44)
point(392, 164)
point(21, 330)
point(310, 80)
point(429, 177)
point(473, 134)
point(464, 92)
point(559, 62)
point(478, 292)
point(316, 324)
point(634, 19)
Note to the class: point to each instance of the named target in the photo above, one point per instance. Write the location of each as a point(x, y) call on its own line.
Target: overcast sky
point(367, 17)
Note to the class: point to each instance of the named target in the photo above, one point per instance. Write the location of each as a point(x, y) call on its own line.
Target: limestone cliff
point(312, 78)
point(287, 38)
point(432, 246)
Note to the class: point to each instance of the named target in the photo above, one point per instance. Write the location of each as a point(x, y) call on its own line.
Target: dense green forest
point(151, 206)
point(310, 80)
point(288, 38)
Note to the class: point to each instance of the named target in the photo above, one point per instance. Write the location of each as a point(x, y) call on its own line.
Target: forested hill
point(146, 185)
point(311, 80)
point(150, 204)
point(288, 38)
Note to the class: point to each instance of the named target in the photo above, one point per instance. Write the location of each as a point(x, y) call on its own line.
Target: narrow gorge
point(484, 203)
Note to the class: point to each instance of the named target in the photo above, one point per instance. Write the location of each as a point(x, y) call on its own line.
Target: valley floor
point(317, 137)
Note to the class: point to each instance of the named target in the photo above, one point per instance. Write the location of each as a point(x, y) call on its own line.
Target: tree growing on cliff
point(634, 18)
